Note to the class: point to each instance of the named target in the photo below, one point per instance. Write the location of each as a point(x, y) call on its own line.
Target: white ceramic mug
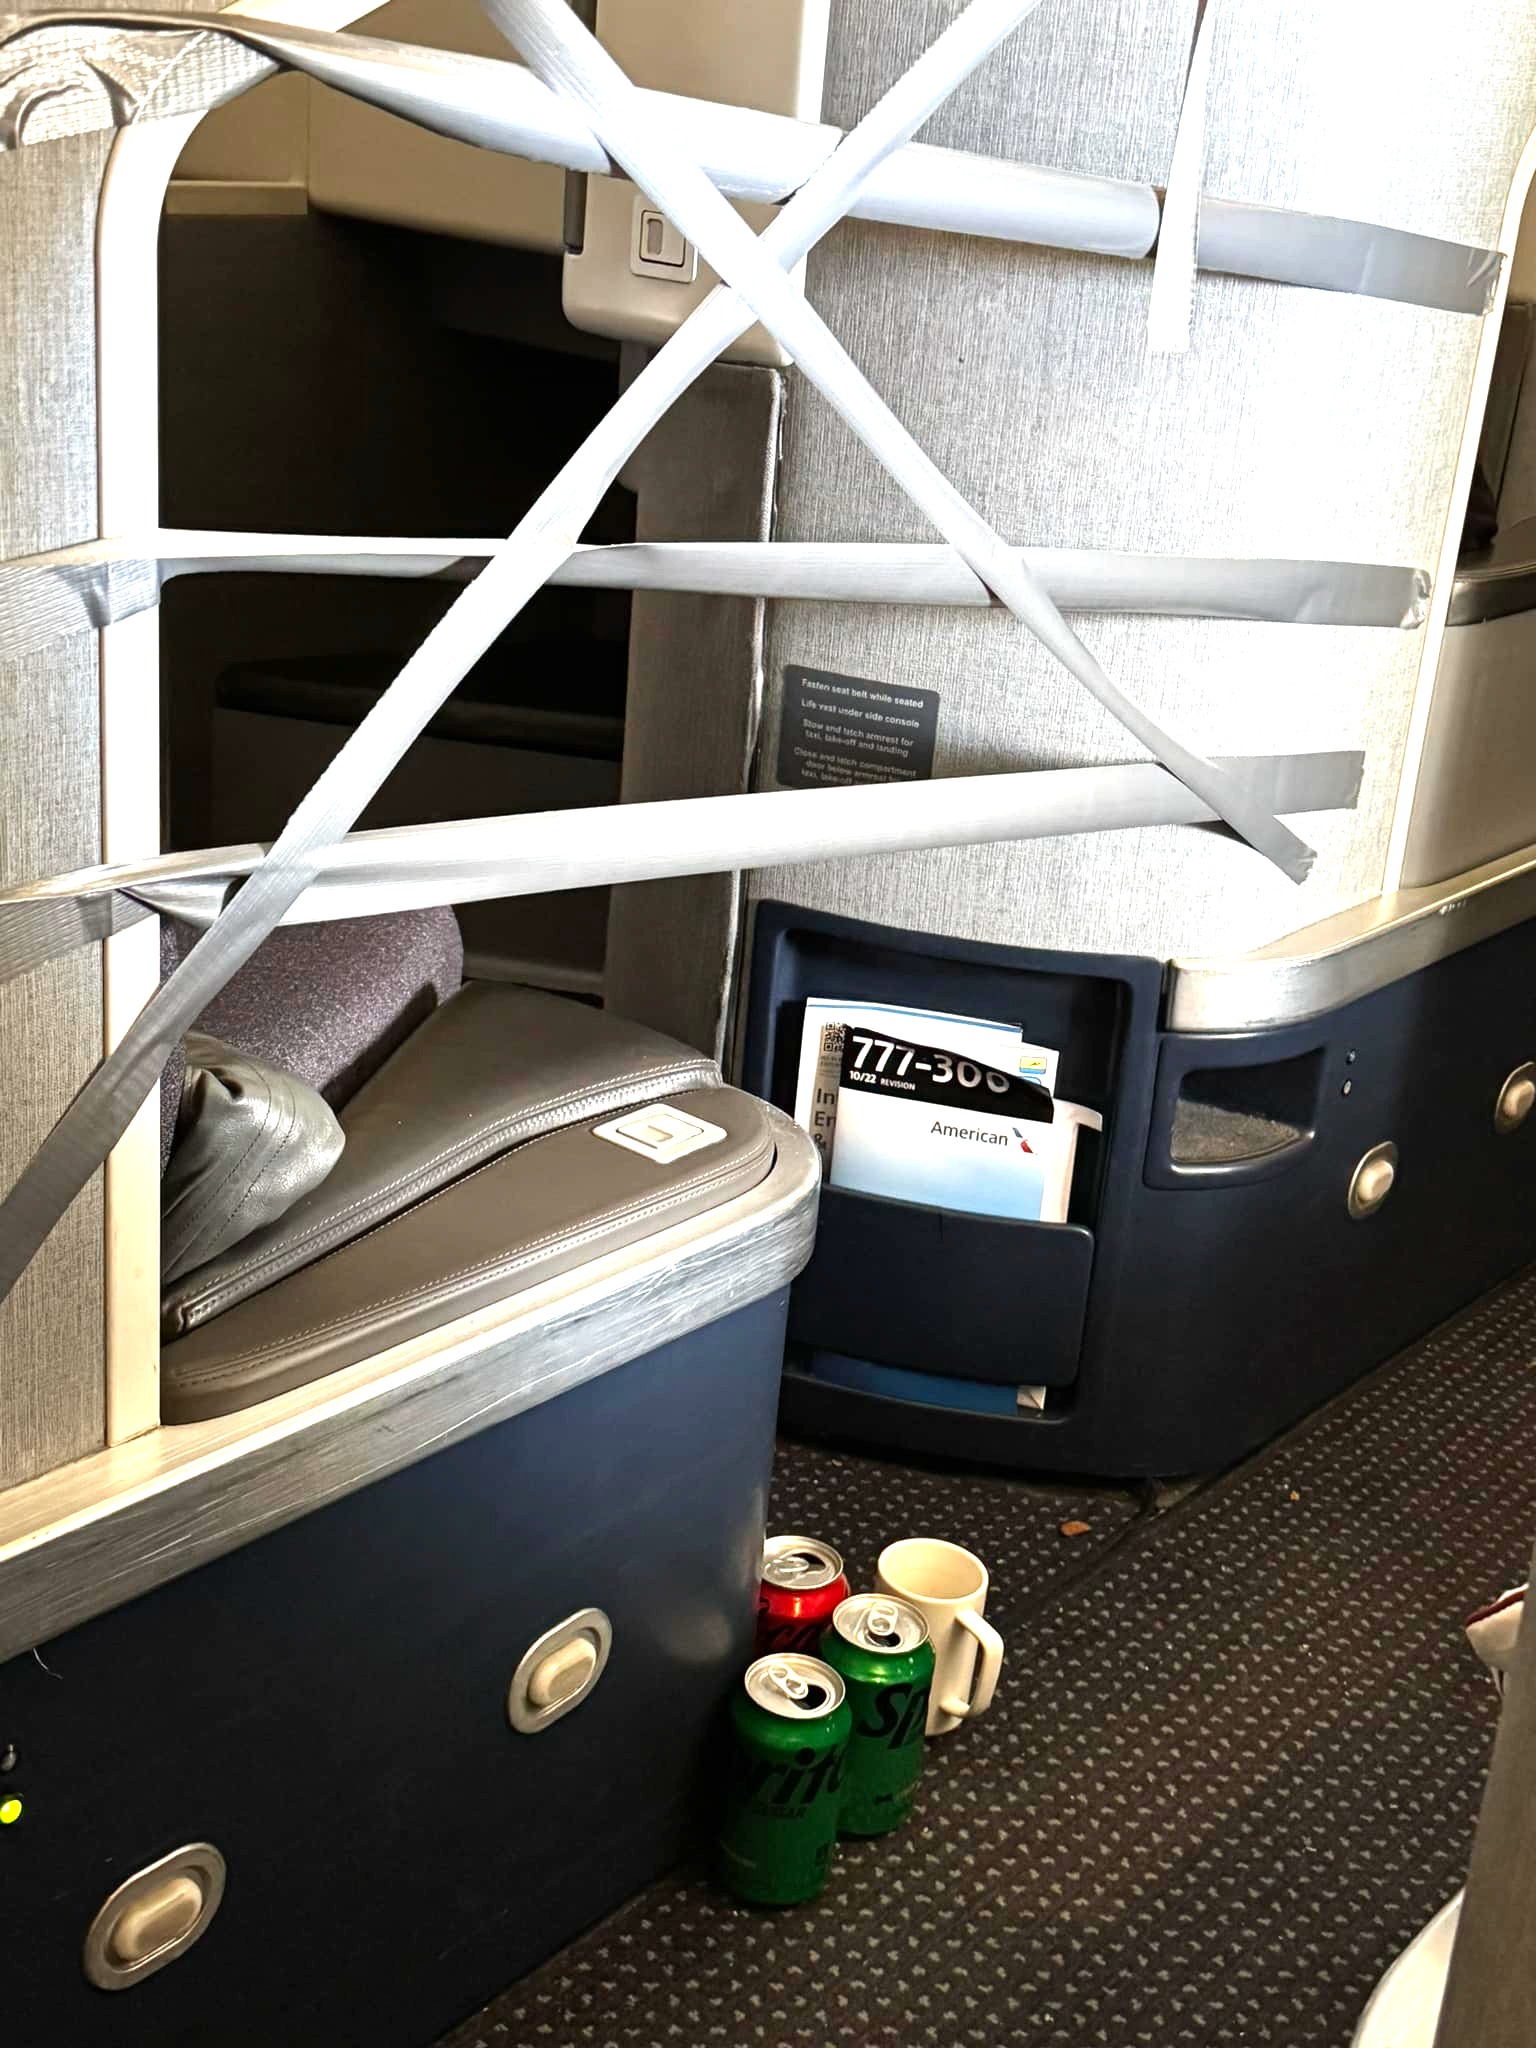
point(948, 1586)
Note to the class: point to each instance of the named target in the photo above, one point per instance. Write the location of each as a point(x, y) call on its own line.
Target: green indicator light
point(10, 1811)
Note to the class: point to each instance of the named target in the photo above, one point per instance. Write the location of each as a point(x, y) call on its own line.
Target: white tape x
point(569, 59)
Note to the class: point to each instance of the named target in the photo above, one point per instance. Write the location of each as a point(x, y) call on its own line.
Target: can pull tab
point(787, 1681)
point(797, 1564)
point(881, 1624)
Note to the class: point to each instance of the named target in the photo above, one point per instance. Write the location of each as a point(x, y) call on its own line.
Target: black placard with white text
point(840, 730)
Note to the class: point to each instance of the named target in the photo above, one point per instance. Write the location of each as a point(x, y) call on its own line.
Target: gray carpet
point(1233, 1766)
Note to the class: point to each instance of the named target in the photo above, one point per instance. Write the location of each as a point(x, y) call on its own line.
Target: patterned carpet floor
point(1233, 1766)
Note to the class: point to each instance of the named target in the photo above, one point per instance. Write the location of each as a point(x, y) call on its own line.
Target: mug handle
point(989, 1665)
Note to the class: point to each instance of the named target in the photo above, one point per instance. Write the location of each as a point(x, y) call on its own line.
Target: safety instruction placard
point(839, 730)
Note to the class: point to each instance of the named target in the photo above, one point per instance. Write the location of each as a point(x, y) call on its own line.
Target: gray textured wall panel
point(1407, 112)
point(1300, 423)
point(52, 1391)
point(1081, 86)
point(52, 1397)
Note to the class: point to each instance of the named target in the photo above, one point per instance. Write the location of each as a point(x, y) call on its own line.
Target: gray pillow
point(250, 1140)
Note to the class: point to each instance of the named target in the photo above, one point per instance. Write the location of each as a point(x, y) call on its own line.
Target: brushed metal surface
point(201, 1869)
point(1476, 793)
point(1299, 423)
point(1498, 581)
point(87, 1538)
point(1350, 954)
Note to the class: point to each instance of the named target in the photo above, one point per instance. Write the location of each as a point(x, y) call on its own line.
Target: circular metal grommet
point(154, 1917)
point(1372, 1180)
point(1516, 1099)
point(557, 1672)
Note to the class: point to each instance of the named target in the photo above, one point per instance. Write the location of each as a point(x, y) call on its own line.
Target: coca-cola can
point(803, 1585)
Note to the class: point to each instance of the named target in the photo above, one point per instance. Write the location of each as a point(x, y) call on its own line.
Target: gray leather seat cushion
point(327, 1002)
point(490, 1068)
point(557, 1202)
point(250, 1141)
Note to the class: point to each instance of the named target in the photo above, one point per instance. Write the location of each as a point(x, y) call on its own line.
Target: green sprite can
point(790, 1721)
point(880, 1646)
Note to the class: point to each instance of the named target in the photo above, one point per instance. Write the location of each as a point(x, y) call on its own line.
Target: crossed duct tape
point(68, 71)
point(569, 61)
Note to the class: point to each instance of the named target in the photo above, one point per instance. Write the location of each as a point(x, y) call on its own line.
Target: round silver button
point(1516, 1099)
point(154, 1916)
point(1372, 1181)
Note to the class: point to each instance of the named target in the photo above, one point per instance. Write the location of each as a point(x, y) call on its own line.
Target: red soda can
point(803, 1585)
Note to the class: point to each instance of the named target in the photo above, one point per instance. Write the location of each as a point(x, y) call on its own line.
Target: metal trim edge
point(84, 1539)
point(1352, 954)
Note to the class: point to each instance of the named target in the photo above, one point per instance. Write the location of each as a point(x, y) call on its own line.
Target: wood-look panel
point(695, 675)
point(51, 1373)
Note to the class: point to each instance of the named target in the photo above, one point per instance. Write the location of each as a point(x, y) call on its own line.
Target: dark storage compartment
point(1213, 1282)
point(288, 343)
point(989, 1300)
point(985, 1297)
point(1235, 1106)
point(1080, 1002)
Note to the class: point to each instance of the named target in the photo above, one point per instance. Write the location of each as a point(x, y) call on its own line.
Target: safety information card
point(923, 1106)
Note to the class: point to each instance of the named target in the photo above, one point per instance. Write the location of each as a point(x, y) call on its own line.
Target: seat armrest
point(563, 1201)
point(491, 1068)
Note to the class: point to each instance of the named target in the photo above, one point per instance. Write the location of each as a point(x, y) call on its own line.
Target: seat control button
point(657, 249)
point(563, 1673)
point(1372, 1181)
point(156, 1919)
point(558, 1671)
point(153, 1917)
point(1516, 1099)
point(660, 1132)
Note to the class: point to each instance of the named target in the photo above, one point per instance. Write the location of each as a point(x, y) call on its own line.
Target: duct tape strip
point(1077, 579)
point(498, 105)
point(107, 1104)
point(417, 866)
point(59, 78)
point(1346, 256)
point(749, 155)
point(47, 597)
point(1172, 304)
point(75, 590)
point(567, 56)
point(35, 927)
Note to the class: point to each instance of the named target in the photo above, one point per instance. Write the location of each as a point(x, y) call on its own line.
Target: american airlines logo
point(967, 1136)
